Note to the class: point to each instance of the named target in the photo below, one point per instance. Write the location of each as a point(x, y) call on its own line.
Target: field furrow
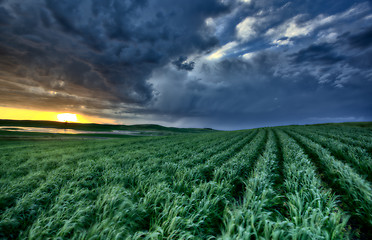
point(138, 181)
point(357, 157)
point(312, 210)
point(239, 168)
point(367, 145)
point(12, 189)
point(295, 182)
point(255, 216)
point(355, 191)
point(353, 133)
point(168, 221)
point(350, 139)
point(66, 154)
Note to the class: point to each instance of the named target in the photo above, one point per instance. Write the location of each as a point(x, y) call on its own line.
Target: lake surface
point(69, 131)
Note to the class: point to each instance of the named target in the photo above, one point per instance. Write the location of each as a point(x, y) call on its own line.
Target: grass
point(296, 182)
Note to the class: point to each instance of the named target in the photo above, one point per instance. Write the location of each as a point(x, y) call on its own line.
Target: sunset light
point(67, 117)
point(38, 115)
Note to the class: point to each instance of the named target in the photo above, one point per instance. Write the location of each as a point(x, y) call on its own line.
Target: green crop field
point(295, 182)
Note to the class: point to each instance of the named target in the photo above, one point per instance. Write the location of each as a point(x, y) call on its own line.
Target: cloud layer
point(212, 63)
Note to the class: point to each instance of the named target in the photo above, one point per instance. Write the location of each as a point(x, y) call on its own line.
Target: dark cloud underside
point(225, 64)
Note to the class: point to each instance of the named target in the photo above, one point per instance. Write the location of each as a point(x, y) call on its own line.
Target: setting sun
point(67, 117)
point(38, 115)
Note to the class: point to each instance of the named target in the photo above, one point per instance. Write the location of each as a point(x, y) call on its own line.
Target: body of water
point(68, 131)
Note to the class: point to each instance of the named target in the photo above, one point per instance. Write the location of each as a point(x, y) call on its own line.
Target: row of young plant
point(312, 211)
point(16, 163)
point(159, 198)
point(253, 217)
point(352, 130)
point(203, 186)
point(88, 175)
point(30, 175)
point(37, 176)
point(34, 170)
point(49, 148)
point(355, 135)
point(240, 166)
point(195, 211)
point(57, 149)
point(355, 190)
point(364, 143)
point(166, 203)
point(357, 157)
point(307, 210)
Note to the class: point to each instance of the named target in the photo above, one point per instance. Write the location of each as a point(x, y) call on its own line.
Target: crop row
point(87, 171)
point(355, 156)
point(271, 183)
point(353, 188)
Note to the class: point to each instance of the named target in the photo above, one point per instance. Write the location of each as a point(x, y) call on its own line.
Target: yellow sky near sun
point(29, 114)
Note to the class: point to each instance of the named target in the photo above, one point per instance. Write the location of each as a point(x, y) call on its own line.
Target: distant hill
point(100, 127)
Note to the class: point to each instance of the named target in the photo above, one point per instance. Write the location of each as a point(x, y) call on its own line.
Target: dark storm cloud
point(182, 64)
point(100, 48)
point(226, 64)
point(320, 53)
point(5, 17)
point(240, 94)
point(362, 40)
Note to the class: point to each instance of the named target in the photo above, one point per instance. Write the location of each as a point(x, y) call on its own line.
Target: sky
point(223, 64)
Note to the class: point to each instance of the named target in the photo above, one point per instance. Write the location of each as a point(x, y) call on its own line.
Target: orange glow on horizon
point(29, 114)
